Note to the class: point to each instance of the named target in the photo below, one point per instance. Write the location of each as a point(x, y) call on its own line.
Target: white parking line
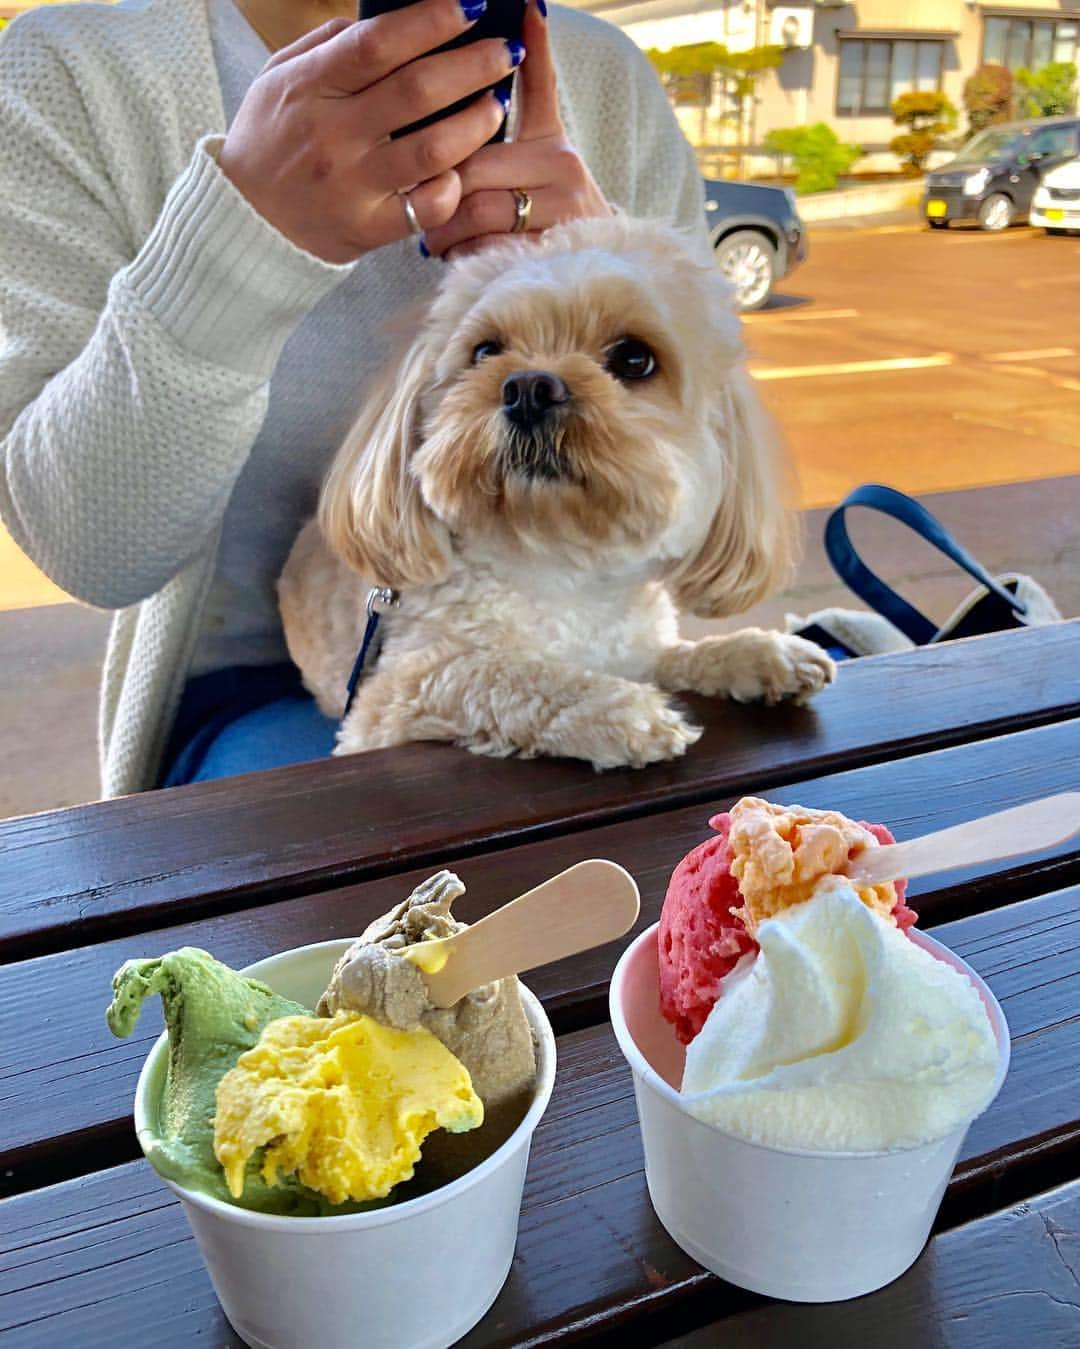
point(1047, 377)
point(1038, 354)
point(854, 367)
point(812, 314)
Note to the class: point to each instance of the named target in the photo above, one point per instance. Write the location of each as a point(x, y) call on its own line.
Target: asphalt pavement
point(944, 363)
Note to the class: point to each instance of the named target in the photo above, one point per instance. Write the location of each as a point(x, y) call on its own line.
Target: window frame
point(1033, 23)
point(891, 42)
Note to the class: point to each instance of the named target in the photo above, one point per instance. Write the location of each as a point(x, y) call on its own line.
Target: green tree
point(1047, 92)
point(819, 154)
point(739, 73)
point(930, 116)
point(988, 96)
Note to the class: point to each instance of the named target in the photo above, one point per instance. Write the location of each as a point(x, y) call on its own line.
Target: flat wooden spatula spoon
point(586, 905)
point(1008, 833)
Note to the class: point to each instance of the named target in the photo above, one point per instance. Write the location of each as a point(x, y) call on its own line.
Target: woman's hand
point(539, 160)
point(310, 145)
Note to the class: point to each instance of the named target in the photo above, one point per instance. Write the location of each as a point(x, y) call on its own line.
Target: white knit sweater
point(144, 303)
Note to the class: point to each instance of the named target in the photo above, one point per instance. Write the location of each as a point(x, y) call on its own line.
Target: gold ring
point(522, 210)
point(410, 213)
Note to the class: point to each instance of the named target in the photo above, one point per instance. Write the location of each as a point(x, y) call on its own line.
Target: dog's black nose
point(529, 395)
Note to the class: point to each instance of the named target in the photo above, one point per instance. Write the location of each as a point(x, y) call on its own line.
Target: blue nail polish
point(502, 96)
point(424, 253)
point(472, 9)
point(542, 7)
point(517, 52)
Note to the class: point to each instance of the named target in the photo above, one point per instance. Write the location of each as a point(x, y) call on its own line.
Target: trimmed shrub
point(819, 155)
point(988, 97)
point(930, 115)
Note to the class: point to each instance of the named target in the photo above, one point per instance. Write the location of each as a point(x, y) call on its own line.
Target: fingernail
point(542, 7)
point(424, 253)
point(502, 97)
point(472, 9)
point(517, 52)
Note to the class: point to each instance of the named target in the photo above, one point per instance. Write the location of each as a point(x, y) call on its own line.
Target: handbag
point(1011, 600)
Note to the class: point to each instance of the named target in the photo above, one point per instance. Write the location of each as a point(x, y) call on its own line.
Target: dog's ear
point(749, 547)
point(371, 510)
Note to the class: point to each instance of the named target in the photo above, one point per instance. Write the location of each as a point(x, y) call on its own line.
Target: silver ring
point(410, 213)
point(522, 210)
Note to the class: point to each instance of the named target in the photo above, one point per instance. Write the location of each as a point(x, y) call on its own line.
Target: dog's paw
point(632, 726)
point(772, 666)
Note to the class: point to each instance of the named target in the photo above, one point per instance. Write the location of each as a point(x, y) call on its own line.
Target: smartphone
point(502, 18)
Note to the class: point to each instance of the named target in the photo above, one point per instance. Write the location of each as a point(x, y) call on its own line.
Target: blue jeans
point(242, 720)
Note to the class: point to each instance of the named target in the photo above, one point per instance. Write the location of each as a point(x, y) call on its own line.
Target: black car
point(994, 176)
point(757, 236)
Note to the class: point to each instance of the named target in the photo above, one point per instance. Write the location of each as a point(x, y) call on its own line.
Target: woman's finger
point(429, 152)
point(489, 213)
point(433, 203)
point(537, 90)
point(428, 86)
point(518, 164)
point(367, 51)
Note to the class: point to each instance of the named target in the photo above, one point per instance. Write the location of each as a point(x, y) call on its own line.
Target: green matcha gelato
point(213, 1015)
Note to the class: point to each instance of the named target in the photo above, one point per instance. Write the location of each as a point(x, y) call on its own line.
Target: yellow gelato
point(343, 1102)
point(780, 853)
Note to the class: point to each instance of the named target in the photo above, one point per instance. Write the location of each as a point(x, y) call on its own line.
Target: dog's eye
point(483, 350)
point(630, 358)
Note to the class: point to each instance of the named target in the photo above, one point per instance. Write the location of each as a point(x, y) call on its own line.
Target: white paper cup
point(806, 1226)
point(414, 1275)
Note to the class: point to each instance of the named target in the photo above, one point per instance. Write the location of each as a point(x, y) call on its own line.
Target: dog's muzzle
point(529, 397)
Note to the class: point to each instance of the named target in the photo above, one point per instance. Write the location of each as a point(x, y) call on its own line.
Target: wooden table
point(94, 1250)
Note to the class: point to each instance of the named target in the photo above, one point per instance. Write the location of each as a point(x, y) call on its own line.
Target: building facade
point(845, 63)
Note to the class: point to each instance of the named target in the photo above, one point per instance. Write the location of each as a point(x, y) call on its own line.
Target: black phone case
point(502, 18)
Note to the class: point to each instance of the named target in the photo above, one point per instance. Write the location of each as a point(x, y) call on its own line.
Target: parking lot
point(931, 360)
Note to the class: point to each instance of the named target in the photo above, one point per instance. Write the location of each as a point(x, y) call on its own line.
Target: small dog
point(568, 449)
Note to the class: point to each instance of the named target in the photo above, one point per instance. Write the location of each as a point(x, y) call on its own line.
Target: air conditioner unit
point(792, 28)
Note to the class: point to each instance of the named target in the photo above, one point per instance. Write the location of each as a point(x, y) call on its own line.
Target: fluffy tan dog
point(568, 449)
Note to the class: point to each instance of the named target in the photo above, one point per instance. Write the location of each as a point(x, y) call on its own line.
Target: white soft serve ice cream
point(841, 1035)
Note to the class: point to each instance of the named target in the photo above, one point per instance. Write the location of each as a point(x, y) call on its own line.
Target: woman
point(203, 224)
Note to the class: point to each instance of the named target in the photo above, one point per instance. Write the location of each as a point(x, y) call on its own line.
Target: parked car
point(1056, 204)
point(756, 234)
point(994, 176)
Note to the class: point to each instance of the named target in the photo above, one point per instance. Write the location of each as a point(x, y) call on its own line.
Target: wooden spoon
point(584, 906)
point(1023, 829)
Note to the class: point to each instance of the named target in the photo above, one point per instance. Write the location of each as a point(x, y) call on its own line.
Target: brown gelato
point(487, 1029)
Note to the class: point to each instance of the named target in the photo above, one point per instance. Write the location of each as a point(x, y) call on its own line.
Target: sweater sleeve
point(133, 373)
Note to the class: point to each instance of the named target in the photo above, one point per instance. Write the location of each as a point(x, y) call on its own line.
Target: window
point(1053, 142)
point(874, 72)
point(1028, 42)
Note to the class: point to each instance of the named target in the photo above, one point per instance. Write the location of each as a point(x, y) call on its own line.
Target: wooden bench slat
point(102, 1256)
point(1005, 1280)
point(72, 876)
point(67, 1078)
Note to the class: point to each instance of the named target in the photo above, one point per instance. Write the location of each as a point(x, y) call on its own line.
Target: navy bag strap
point(871, 588)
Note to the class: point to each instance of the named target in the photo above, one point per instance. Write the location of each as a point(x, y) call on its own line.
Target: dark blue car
point(757, 235)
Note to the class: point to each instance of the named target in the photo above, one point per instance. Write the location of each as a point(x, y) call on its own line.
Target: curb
point(872, 200)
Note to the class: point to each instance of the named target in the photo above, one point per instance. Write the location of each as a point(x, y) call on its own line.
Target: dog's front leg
point(501, 706)
point(747, 665)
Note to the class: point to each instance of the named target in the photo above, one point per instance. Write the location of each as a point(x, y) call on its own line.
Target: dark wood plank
point(66, 1077)
point(100, 1258)
point(1006, 1280)
point(73, 876)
